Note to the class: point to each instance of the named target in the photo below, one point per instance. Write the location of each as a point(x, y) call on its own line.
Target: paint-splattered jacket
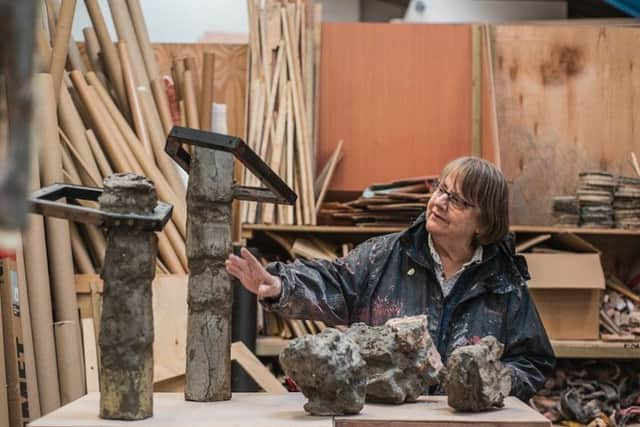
point(392, 276)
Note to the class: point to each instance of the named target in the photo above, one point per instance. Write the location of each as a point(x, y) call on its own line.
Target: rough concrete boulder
point(329, 371)
point(476, 379)
point(402, 360)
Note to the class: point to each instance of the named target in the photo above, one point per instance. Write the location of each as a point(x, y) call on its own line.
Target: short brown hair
point(481, 183)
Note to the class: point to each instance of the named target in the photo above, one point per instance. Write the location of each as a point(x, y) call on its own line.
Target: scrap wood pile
point(395, 204)
point(619, 312)
point(591, 393)
point(284, 39)
point(602, 200)
point(109, 112)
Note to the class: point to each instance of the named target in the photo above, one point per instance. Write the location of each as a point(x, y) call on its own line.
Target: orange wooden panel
point(399, 95)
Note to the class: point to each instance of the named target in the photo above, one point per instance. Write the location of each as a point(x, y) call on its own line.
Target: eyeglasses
point(455, 199)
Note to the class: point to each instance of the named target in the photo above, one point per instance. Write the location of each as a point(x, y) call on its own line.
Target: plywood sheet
point(568, 100)
point(398, 95)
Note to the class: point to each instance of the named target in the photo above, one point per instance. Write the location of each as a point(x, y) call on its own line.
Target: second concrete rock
point(477, 380)
point(402, 360)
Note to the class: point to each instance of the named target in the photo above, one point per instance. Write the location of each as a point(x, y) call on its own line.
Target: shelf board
point(596, 349)
point(335, 229)
point(574, 230)
point(271, 346)
point(320, 228)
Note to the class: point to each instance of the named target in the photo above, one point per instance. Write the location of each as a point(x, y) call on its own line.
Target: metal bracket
point(45, 202)
point(277, 190)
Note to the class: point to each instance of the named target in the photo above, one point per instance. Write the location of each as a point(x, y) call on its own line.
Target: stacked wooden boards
point(283, 71)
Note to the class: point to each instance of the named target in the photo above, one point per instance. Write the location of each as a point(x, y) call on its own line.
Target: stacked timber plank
point(602, 200)
point(284, 57)
point(626, 202)
point(396, 204)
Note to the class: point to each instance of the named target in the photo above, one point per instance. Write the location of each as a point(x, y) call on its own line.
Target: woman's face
point(450, 216)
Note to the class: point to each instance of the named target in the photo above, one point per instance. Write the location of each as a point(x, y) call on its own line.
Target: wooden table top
point(266, 410)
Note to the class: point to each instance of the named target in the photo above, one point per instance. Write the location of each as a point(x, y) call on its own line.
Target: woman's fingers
point(248, 256)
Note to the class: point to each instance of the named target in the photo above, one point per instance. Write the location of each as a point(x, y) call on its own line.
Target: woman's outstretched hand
point(253, 275)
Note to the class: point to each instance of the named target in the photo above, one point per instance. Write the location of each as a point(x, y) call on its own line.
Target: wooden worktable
point(268, 410)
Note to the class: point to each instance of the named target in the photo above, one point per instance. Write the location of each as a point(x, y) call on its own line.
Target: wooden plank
point(402, 108)
point(171, 410)
point(564, 93)
point(169, 320)
point(434, 411)
point(596, 349)
point(331, 167)
point(252, 365)
point(89, 340)
point(476, 90)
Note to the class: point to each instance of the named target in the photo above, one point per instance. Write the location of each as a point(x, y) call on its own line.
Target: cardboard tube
point(118, 146)
point(93, 49)
point(27, 338)
point(170, 238)
point(142, 36)
point(206, 95)
point(58, 238)
point(73, 127)
point(134, 102)
point(117, 158)
point(95, 180)
point(109, 54)
point(70, 359)
point(163, 188)
point(80, 254)
point(158, 139)
point(126, 33)
point(36, 264)
point(103, 163)
point(162, 103)
point(190, 101)
point(98, 243)
point(190, 65)
point(61, 43)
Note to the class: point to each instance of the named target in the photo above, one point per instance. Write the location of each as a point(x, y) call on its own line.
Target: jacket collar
point(489, 275)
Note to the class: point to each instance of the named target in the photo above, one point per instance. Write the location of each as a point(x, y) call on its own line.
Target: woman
point(456, 264)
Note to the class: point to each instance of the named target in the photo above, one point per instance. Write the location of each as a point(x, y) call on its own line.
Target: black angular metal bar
point(280, 191)
point(46, 202)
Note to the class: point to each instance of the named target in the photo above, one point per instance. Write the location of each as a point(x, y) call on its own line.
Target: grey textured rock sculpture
point(126, 332)
point(476, 379)
point(402, 360)
point(329, 370)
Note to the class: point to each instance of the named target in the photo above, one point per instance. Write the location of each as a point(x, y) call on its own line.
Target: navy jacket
point(393, 276)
